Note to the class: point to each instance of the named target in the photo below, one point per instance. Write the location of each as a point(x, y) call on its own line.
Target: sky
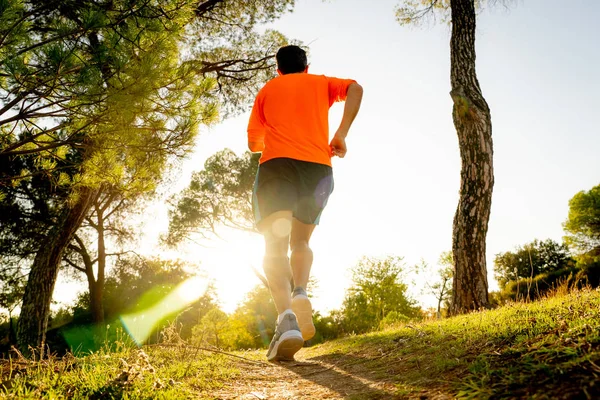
point(396, 191)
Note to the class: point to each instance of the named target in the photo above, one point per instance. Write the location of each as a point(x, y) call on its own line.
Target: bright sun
point(230, 263)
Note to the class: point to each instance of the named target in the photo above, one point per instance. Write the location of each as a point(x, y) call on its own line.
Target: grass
point(542, 350)
point(153, 372)
point(545, 349)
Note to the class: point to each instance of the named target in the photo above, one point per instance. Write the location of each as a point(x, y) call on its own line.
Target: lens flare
point(282, 227)
point(139, 325)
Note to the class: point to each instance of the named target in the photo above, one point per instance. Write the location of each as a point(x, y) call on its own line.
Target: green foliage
point(530, 260)
point(12, 286)
point(28, 207)
point(251, 326)
point(253, 322)
point(117, 91)
point(569, 278)
point(416, 12)
point(376, 290)
point(327, 327)
point(103, 76)
point(193, 314)
point(218, 195)
point(110, 94)
point(393, 318)
point(238, 57)
point(583, 223)
point(211, 328)
point(237, 336)
point(137, 283)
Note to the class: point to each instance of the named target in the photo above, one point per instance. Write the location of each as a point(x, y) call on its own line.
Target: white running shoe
point(287, 340)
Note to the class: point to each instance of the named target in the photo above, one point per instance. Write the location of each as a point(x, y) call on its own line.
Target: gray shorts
point(285, 184)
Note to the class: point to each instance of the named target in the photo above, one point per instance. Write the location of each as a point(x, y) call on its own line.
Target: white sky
point(397, 189)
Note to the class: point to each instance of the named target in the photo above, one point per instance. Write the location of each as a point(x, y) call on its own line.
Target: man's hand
point(338, 144)
point(353, 100)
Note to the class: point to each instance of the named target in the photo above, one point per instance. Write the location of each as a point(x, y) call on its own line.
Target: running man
point(289, 125)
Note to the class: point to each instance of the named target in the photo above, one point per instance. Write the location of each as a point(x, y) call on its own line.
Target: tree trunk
point(95, 286)
point(11, 327)
point(96, 305)
point(96, 299)
point(473, 125)
point(33, 321)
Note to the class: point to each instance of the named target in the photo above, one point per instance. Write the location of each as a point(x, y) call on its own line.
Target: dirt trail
point(316, 379)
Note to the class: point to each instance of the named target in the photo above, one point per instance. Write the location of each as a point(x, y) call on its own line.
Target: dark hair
point(291, 59)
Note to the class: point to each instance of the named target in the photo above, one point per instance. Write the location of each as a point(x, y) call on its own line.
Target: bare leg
point(302, 256)
point(301, 262)
point(276, 264)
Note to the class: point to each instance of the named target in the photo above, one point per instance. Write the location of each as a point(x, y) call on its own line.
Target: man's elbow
point(256, 147)
point(355, 88)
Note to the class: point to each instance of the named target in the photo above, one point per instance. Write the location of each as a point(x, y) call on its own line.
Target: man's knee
point(300, 246)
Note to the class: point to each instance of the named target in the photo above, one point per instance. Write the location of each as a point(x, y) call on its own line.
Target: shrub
point(572, 277)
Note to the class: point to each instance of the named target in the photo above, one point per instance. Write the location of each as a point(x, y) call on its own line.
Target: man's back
point(291, 115)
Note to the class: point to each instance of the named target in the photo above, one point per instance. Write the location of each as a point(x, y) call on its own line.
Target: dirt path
point(316, 379)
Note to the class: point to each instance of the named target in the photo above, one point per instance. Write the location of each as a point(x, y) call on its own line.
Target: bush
point(393, 318)
point(572, 277)
point(328, 327)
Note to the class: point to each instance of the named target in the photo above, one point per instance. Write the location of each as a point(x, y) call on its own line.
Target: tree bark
point(33, 321)
point(11, 327)
point(473, 124)
point(96, 297)
point(96, 306)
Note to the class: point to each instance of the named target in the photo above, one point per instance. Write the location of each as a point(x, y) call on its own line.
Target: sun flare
point(230, 263)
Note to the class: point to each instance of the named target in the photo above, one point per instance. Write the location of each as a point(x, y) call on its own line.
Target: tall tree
point(118, 121)
point(472, 120)
point(105, 227)
point(377, 290)
point(583, 224)
point(88, 252)
point(212, 327)
point(75, 80)
point(218, 195)
point(106, 86)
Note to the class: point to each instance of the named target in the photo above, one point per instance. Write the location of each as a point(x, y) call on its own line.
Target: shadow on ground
point(356, 377)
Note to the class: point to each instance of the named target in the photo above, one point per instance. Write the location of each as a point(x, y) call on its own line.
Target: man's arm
point(353, 100)
point(256, 129)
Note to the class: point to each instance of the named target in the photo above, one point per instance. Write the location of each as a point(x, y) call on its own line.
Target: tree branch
point(206, 7)
point(74, 265)
point(13, 102)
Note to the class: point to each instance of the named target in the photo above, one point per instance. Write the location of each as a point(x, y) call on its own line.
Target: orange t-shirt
point(290, 115)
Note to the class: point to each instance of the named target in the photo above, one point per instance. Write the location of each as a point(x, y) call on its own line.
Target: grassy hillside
point(547, 349)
